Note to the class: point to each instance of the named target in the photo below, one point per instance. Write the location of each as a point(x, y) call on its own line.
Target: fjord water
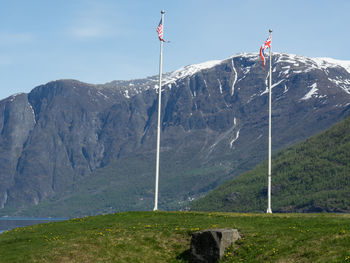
point(7, 223)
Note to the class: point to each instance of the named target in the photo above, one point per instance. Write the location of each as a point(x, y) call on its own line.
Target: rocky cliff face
point(215, 113)
point(17, 122)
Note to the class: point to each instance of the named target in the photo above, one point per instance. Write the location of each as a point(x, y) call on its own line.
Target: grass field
point(165, 237)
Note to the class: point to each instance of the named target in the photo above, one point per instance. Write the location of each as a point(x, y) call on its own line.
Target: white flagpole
point(159, 111)
point(269, 211)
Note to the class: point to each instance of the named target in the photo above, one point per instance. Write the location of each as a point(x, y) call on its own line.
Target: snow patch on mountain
point(290, 64)
point(13, 97)
point(322, 63)
point(234, 139)
point(250, 56)
point(344, 84)
point(272, 86)
point(311, 93)
point(102, 95)
point(234, 80)
point(189, 71)
point(32, 110)
point(220, 86)
point(330, 62)
point(246, 70)
point(126, 94)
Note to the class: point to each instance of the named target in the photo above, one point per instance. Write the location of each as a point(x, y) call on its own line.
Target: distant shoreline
point(8, 223)
point(33, 218)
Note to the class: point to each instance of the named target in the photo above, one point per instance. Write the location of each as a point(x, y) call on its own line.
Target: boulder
point(209, 245)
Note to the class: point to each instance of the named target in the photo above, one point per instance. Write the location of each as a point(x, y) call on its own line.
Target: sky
point(104, 40)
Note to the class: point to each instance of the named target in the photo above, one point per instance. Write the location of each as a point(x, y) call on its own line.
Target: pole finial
point(162, 12)
point(270, 30)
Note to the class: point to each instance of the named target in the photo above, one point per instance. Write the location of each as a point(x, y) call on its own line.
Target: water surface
point(7, 223)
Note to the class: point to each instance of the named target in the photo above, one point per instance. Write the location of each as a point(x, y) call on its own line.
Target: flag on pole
point(160, 35)
point(266, 45)
point(160, 30)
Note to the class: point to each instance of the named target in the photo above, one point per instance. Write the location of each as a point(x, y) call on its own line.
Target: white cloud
point(10, 38)
point(88, 31)
point(94, 21)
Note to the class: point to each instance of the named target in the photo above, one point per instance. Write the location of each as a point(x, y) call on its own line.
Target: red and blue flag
point(160, 30)
point(266, 45)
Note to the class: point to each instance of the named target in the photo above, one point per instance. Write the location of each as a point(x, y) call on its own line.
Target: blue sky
point(104, 40)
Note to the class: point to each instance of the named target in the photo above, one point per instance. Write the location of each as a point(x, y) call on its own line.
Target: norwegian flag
point(160, 30)
point(266, 45)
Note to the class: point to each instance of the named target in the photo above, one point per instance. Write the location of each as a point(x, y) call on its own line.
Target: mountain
point(69, 147)
point(312, 176)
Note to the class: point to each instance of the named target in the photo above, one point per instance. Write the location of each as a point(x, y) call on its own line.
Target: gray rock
point(209, 245)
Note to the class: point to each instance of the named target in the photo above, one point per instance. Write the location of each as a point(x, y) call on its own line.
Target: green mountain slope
point(312, 176)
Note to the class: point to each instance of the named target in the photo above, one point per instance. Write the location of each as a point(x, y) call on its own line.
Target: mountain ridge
point(188, 70)
point(214, 125)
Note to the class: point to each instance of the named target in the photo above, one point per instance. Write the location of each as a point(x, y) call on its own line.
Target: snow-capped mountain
point(214, 126)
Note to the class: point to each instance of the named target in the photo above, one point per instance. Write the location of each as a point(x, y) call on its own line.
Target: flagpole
point(269, 211)
point(159, 112)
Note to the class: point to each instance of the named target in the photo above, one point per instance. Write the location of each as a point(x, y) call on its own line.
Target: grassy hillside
point(165, 237)
point(312, 176)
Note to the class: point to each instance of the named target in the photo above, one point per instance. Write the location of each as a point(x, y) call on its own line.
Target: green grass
point(165, 237)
